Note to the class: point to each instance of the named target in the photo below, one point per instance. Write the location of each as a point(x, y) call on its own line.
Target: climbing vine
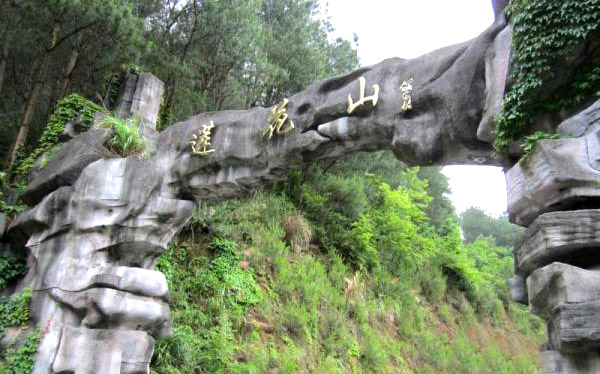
point(67, 109)
point(20, 360)
point(545, 32)
point(14, 312)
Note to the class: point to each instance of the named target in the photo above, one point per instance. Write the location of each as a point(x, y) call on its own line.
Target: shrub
point(14, 311)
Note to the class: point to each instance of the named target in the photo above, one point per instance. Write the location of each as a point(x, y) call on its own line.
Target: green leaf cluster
point(67, 109)
point(20, 360)
point(531, 140)
point(545, 34)
point(14, 311)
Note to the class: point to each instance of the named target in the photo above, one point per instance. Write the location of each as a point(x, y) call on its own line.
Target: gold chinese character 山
point(201, 142)
point(362, 82)
point(278, 120)
point(406, 89)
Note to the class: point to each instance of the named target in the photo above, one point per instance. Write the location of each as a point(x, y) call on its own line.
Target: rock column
point(555, 192)
point(97, 226)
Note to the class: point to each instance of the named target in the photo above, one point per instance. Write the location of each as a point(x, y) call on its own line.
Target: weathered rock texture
point(568, 236)
point(555, 190)
point(554, 362)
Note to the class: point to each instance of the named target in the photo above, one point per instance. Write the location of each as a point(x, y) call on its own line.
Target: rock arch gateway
point(96, 225)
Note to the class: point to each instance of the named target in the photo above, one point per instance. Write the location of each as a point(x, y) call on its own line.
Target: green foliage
point(20, 360)
point(378, 290)
point(531, 140)
point(11, 268)
point(476, 223)
point(125, 138)
point(67, 109)
point(5, 190)
point(14, 311)
point(210, 295)
point(546, 32)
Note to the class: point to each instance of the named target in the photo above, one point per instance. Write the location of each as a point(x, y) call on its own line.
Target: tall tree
point(59, 23)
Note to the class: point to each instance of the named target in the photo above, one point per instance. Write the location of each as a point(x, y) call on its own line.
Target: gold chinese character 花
point(362, 99)
point(406, 89)
point(201, 142)
point(278, 120)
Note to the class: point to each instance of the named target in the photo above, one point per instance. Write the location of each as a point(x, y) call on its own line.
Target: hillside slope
point(341, 272)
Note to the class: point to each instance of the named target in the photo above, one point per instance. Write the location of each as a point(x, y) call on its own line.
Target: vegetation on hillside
point(340, 271)
point(354, 266)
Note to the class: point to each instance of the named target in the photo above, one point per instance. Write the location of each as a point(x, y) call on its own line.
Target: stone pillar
point(555, 192)
point(140, 98)
point(95, 231)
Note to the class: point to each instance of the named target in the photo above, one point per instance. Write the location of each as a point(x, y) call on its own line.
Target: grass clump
point(125, 138)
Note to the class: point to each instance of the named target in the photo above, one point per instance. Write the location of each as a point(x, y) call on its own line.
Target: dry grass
point(297, 232)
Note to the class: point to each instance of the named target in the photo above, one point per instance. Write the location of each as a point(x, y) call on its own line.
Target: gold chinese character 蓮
point(406, 89)
point(201, 142)
point(362, 98)
point(278, 120)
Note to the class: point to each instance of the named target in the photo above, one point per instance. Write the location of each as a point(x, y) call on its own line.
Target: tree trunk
point(68, 72)
point(34, 94)
point(3, 61)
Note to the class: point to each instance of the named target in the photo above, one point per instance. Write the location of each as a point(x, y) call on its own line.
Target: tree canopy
point(211, 54)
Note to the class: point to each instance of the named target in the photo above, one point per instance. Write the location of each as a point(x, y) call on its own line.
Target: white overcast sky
point(410, 28)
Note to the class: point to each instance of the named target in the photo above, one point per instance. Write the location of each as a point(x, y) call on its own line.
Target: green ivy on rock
point(10, 268)
point(545, 32)
point(14, 312)
point(20, 360)
point(67, 109)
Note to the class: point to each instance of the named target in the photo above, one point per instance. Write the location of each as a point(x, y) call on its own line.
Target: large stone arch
point(96, 225)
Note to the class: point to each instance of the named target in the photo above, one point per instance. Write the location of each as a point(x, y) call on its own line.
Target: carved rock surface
point(561, 174)
point(576, 327)
point(518, 289)
point(66, 165)
point(554, 362)
point(140, 97)
point(85, 351)
point(583, 123)
point(571, 237)
point(558, 284)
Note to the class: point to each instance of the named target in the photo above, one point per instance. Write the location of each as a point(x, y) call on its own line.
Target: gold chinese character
point(406, 89)
point(202, 140)
point(362, 99)
point(277, 121)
